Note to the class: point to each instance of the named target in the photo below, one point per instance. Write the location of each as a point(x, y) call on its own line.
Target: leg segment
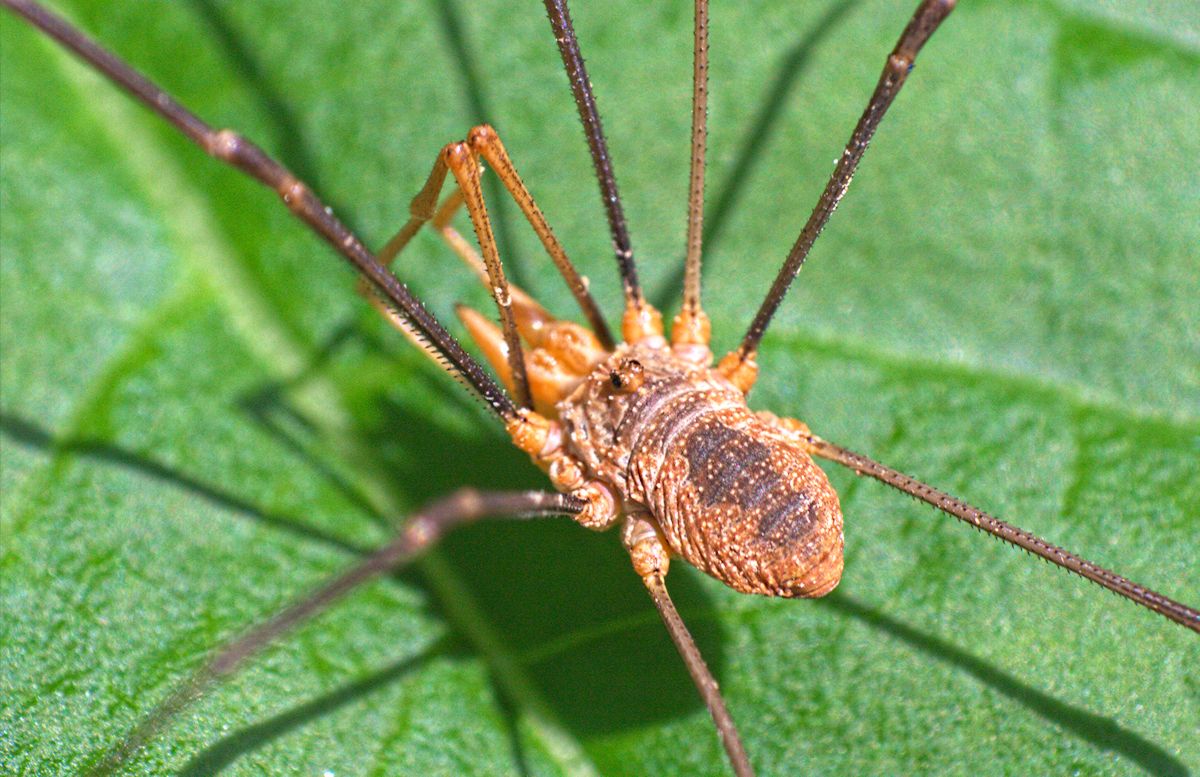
point(563, 355)
point(419, 533)
point(519, 314)
point(640, 320)
point(463, 164)
point(483, 141)
point(459, 160)
point(528, 312)
point(1148, 598)
point(928, 16)
point(532, 318)
point(651, 560)
point(589, 116)
point(561, 352)
point(238, 152)
point(691, 331)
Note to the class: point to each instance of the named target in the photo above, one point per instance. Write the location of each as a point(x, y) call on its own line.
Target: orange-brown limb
point(464, 166)
point(740, 369)
point(531, 317)
point(1139, 594)
point(457, 159)
point(641, 321)
point(484, 142)
point(562, 351)
point(554, 369)
point(418, 533)
point(925, 21)
point(490, 340)
point(651, 560)
point(690, 325)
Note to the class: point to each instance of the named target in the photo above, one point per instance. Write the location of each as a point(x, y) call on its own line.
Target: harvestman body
point(645, 434)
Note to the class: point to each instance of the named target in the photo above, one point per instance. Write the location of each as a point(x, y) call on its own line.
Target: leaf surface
point(201, 421)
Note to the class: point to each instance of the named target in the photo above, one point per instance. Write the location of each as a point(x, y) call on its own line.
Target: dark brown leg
point(418, 533)
point(691, 326)
point(637, 310)
point(236, 151)
point(650, 561)
point(1180, 613)
point(740, 364)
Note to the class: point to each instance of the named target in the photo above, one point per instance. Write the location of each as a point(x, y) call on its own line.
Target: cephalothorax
point(645, 433)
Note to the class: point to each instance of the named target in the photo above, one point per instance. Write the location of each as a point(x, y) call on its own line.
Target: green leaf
point(201, 421)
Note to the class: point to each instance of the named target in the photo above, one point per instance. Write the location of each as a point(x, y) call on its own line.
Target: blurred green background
point(200, 420)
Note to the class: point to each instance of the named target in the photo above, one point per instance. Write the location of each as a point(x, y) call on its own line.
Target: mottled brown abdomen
point(741, 501)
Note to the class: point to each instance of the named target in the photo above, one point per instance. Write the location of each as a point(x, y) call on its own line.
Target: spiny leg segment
point(238, 152)
point(1150, 599)
point(460, 160)
point(651, 560)
point(535, 374)
point(740, 365)
point(691, 328)
point(484, 142)
point(417, 534)
point(487, 143)
point(640, 319)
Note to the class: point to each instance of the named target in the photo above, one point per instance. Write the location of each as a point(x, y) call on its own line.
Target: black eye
point(614, 378)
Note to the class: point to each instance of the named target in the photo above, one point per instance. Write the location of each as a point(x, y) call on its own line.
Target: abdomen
point(741, 502)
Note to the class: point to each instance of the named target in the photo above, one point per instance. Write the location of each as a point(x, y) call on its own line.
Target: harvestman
point(642, 434)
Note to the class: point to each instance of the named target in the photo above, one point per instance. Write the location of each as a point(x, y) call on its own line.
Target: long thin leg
point(465, 167)
point(924, 22)
point(526, 310)
point(657, 586)
point(651, 560)
point(418, 533)
point(460, 160)
point(238, 152)
point(484, 141)
point(589, 115)
point(531, 316)
point(691, 326)
point(1180, 613)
